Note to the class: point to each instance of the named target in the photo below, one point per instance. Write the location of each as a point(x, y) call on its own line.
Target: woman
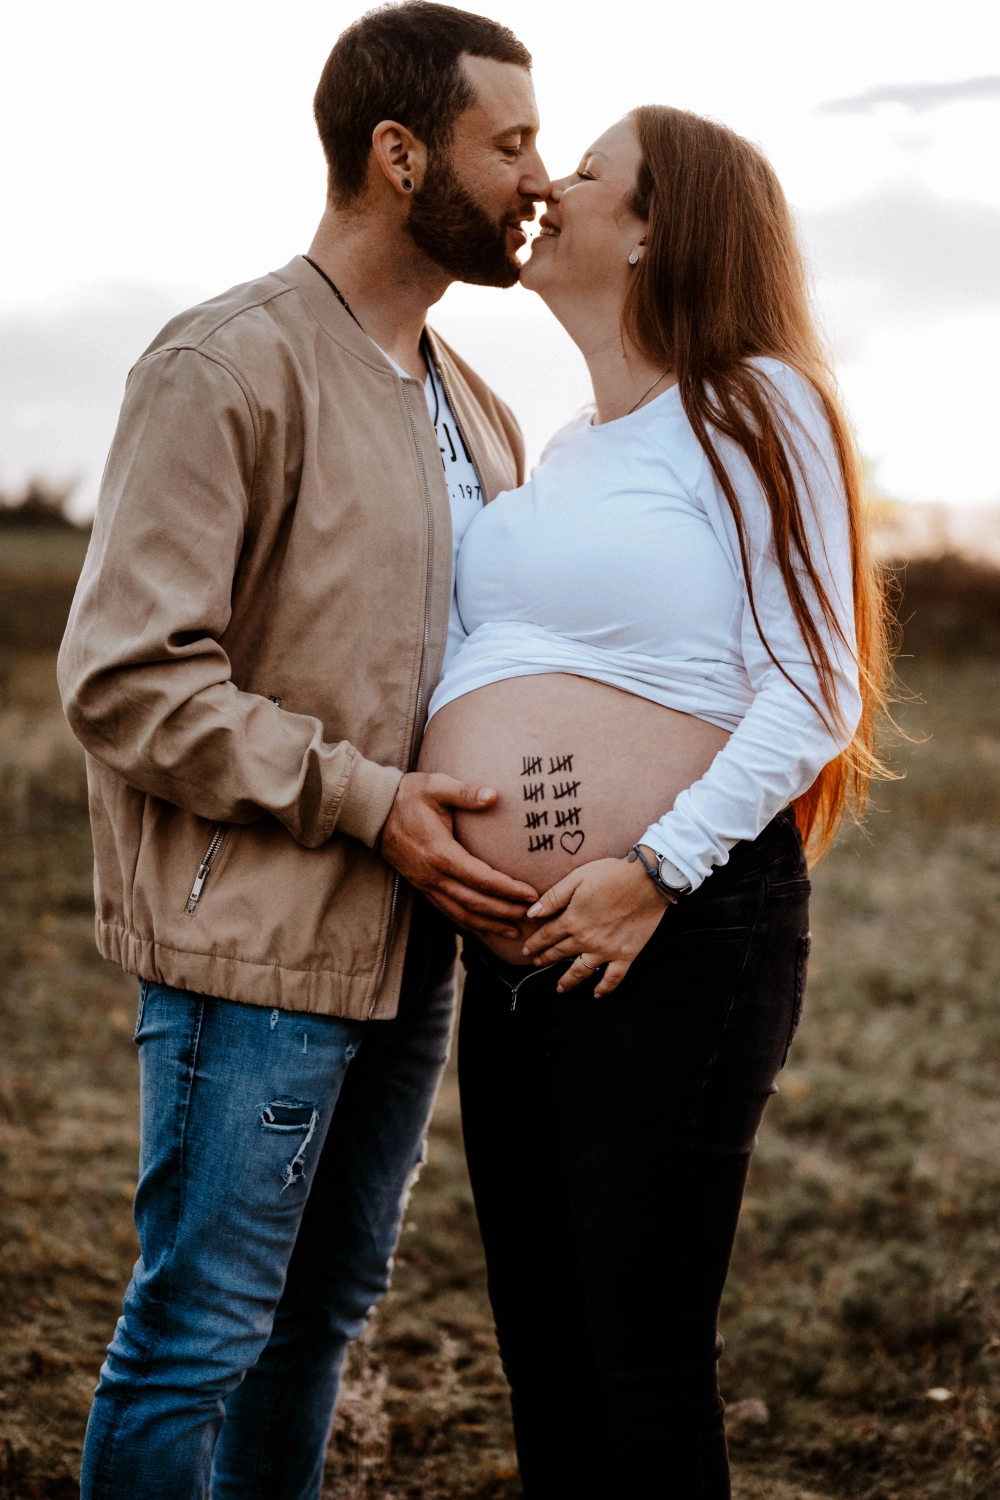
point(675, 638)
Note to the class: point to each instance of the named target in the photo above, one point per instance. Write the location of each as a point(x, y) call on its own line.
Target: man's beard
point(449, 226)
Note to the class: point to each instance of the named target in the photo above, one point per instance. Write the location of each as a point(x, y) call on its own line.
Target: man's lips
point(516, 225)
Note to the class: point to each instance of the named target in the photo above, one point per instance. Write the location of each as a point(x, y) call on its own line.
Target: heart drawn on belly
point(572, 842)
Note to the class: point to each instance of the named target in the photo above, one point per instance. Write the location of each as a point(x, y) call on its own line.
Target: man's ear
point(400, 157)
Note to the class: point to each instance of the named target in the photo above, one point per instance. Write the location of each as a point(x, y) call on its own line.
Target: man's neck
point(387, 283)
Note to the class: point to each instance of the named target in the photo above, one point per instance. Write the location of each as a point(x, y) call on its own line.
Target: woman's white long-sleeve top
point(619, 560)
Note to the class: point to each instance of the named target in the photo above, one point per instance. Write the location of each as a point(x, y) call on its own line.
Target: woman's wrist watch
point(668, 879)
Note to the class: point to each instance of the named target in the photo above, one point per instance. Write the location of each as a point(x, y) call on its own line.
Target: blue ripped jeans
point(276, 1151)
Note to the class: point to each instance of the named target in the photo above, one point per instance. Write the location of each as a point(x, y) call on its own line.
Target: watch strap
point(654, 871)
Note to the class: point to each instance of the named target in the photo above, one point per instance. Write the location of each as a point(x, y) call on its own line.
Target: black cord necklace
point(333, 287)
point(433, 377)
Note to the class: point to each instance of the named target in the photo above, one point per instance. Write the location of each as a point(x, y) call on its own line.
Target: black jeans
point(608, 1144)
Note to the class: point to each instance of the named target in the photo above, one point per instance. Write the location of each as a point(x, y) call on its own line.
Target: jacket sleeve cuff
point(366, 799)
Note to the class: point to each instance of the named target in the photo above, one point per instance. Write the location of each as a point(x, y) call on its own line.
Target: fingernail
point(486, 794)
point(536, 910)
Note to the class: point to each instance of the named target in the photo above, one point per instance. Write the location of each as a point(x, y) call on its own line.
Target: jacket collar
point(489, 454)
point(330, 314)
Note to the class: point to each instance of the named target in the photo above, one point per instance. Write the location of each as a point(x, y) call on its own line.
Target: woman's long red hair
point(721, 283)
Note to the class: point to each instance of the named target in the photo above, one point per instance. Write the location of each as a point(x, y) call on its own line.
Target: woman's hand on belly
point(604, 913)
point(580, 770)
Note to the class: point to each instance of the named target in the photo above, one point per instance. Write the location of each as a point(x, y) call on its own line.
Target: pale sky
point(154, 155)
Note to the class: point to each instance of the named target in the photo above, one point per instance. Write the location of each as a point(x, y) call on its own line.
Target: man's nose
point(535, 181)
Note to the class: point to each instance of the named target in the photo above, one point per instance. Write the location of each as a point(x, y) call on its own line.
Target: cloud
point(907, 256)
point(62, 376)
point(918, 97)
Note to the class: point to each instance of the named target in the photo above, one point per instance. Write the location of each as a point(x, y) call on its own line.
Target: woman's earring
point(407, 185)
point(633, 259)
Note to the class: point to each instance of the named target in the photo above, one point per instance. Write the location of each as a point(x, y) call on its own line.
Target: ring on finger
point(592, 967)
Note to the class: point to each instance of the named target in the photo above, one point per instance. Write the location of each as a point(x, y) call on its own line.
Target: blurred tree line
point(39, 506)
point(947, 607)
point(41, 554)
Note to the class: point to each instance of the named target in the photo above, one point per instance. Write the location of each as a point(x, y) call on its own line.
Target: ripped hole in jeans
point(291, 1117)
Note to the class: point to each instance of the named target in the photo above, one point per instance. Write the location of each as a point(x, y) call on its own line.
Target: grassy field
point(39, 566)
point(862, 1317)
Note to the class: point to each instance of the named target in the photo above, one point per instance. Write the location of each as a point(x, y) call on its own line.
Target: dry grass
point(867, 1271)
point(424, 1408)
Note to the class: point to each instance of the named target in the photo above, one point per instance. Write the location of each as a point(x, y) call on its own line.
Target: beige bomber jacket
point(259, 624)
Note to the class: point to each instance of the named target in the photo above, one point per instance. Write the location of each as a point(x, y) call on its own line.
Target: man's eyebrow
point(516, 130)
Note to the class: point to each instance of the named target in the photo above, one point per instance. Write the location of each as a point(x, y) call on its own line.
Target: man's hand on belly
point(418, 840)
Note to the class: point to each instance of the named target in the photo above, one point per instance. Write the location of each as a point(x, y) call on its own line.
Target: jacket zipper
point(205, 868)
point(388, 944)
point(420, 688)
point(427, 582)
point(427, 629)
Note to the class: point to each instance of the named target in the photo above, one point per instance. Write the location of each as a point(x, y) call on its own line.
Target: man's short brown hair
point(401, 62)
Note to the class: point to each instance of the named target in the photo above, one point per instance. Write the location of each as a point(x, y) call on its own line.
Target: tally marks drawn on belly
point(563, 794)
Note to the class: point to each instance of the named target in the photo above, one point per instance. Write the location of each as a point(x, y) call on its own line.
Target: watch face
point(673, 878)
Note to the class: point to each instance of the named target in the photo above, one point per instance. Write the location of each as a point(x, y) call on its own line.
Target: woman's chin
point(536, 271)
point(538, 263)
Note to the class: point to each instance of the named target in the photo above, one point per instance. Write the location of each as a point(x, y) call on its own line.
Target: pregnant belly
point(581, 770)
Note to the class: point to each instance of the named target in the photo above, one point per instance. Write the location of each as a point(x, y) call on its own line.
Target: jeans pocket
point(801, 971)
point(143, 992)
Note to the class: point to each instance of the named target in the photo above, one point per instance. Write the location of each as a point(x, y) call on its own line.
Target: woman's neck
point(622, 377)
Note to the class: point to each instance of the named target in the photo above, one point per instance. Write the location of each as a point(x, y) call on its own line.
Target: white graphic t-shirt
point(464, 490)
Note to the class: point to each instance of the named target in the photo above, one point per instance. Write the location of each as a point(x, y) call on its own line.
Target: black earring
point(407, 185)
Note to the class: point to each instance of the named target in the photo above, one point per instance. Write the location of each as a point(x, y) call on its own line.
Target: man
point(261, 620)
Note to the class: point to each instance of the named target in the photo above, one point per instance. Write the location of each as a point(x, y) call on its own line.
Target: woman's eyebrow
point(589, 158)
